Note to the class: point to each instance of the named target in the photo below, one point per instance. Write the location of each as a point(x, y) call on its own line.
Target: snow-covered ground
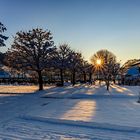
point(5, 89)
point(70, 113)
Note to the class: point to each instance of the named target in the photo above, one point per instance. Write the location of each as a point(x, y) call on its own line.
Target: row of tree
point(34, 50)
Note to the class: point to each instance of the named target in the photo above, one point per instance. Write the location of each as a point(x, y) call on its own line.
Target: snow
point(81, 112)
point(11, 89)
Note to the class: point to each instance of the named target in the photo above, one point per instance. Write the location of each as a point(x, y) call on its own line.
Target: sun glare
point(98, 61)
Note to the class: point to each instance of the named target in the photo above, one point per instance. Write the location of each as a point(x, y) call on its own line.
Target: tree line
point(34, 51)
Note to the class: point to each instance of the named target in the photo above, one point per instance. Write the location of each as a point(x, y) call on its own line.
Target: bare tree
point(31, 51)
point(75, 63)
point(107, 65)
point(86, 70)
point(115, 71)
point(61, 60)
point(89, 71)
point(2, 37)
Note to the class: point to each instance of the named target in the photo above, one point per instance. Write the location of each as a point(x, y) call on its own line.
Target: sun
point(98, 61)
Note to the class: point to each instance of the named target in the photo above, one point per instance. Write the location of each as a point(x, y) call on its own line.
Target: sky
point(86, 25)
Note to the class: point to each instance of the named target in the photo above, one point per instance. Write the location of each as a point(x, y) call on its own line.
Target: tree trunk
point(40, 80)
point(107, 85)
point(61, 75)
point(73, 78)
point(90, 78)
point(114, 81)
point(84, 77)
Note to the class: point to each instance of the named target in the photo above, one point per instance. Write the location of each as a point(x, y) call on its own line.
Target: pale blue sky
point(86, 25)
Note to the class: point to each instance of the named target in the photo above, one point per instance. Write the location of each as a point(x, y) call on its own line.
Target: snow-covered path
point(82, 112)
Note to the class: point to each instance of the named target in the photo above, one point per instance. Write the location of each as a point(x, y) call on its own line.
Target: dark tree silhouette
point(31, 51)
point(108, 67)
point(75, 64)
point(2, 56)
point(87, 70)
point(61, 60)
point(2, 37)
point(115, 71)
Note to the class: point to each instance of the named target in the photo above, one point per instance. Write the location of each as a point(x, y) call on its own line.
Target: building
point(4, 75)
